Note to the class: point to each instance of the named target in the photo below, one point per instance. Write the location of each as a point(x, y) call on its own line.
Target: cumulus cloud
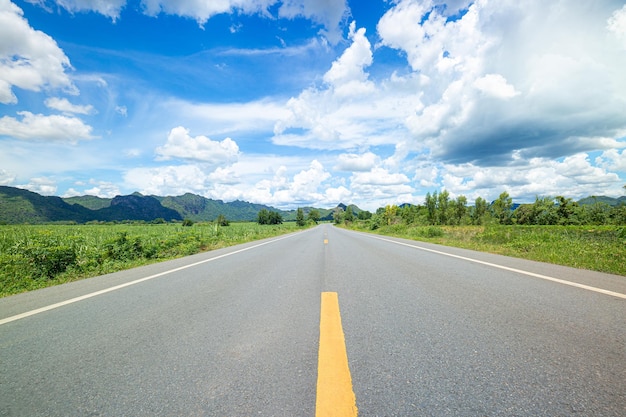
point(41, 127)
point(180, 145)
point(63, 105)
point(349, 111)
point(355, 162)
point(41, 185)
point(616, 24)
point(328, 14)
point(108, 8)
point(511, 77)
point(29, 59)
point(6, 177)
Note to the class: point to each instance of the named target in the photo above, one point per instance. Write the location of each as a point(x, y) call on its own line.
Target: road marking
point(506, 268)
point(128, 284)
point(335, 396)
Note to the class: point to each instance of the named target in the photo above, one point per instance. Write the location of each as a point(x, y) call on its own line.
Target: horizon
point(290, 103)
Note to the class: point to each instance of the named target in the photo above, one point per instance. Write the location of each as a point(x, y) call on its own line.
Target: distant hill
point(198, 208)
point(23, 206)
point(89, 201)
point(603, 199)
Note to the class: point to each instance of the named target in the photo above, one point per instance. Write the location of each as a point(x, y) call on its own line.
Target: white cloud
point(41, 185)
point(63, 105)
point(355, 162)
point(121, 110)
point(574, 177)
point(41, 127)
point(108, 8)
point(29, 59)
point(495, 85)
point(6, 177)
point(349, 111)
point(566, 80)
point(349, 66)
point(167, 180)
point(616, 24)
point(102, 189)
point(328, 13)
point(180, 145)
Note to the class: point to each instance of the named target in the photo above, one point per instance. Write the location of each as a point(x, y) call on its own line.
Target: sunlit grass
point(597, 248)
point(37, 256)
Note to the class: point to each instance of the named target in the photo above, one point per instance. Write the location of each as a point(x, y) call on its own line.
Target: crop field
point(597, 248)
point(37, 256)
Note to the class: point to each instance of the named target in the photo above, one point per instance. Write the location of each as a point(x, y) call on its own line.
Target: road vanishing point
point(323, 322)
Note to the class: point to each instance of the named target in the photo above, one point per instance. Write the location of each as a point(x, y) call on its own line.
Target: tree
point(364, 215)
point(349, 215)
point(314, 215)
point(263, 216)
point(390, 214)
point(338, 215)
point(443, 205)
point(479, 211)
point(431, 207)
point(300, 217)
point(222, 221)
point(502, 208)
point(187, 222)
point(269, 217)
point(460, 208)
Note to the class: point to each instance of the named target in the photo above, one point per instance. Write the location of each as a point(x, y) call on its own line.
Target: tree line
point(440, 209)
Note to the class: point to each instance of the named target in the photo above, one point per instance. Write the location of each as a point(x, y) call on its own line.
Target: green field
point(597, 248)
point(37, 256)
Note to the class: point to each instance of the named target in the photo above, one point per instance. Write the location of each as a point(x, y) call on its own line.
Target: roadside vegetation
point(37, 256)
point(555, 230)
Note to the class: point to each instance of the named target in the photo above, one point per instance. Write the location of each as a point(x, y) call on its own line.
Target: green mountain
point(23, 206)
point(603, 199)
point(89, 201)
point(198, 208)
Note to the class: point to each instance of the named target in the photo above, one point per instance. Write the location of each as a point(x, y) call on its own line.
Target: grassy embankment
point(597, 248)
point(37, 256)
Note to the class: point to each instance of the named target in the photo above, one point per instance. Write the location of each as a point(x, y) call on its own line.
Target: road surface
point(429, 331)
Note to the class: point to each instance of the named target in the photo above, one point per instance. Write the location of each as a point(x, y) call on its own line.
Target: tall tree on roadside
point(300, 217)
point(431, 207)
point(502, 208)
point(479, 211)
point(314, 215)
point(460, 208)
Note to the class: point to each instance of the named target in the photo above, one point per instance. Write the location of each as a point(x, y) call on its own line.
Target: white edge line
point(128, 284)
point(519, 271)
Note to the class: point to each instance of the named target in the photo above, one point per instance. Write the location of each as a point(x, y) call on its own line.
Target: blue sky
point(313, 102)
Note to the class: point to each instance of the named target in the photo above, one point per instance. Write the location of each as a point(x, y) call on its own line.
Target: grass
point(597, 248)
point(38, 256)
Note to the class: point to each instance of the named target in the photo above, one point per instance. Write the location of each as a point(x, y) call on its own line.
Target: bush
point(50, 261)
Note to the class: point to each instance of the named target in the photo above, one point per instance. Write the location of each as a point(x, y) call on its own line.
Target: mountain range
point(22, 206)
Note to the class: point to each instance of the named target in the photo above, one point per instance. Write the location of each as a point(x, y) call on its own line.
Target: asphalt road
point(235, 332)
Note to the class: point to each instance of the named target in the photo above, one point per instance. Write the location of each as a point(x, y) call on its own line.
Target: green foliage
point(187, 223)
point(599, 248)
point(35, 256)
point(300, 221)
point(269, 217)
point(222, 220)
point(338, 214)
point(314, 215)
point(502, 208)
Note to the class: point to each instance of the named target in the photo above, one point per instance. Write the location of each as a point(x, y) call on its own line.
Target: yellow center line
point(335, 396)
